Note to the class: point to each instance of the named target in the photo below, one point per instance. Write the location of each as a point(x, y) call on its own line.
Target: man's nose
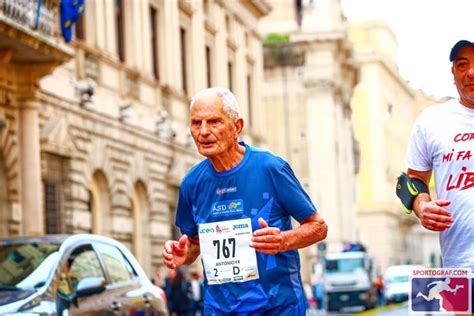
point(204, 130)
point(470, 71)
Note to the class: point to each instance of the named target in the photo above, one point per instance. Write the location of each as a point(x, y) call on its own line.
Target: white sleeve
point(418, 155)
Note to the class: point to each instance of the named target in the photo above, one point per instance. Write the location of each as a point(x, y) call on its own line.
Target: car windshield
point(26, 265)
point(399, 279)
point(344, 265)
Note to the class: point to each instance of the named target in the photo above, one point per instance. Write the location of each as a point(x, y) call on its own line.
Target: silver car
point(74, 275)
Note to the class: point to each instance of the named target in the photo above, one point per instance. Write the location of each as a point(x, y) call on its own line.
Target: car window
point(82, 263)
point(20, 261)
point(118, 267)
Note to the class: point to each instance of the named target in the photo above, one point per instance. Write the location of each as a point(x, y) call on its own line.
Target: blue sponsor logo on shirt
point(227, 208)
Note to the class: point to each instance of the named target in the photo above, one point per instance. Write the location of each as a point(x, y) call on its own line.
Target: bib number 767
point(225, 248)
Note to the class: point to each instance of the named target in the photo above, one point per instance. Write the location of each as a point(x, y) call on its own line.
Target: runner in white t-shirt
point(442, 141)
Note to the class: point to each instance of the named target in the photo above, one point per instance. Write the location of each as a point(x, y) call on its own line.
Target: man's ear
point(239, 125)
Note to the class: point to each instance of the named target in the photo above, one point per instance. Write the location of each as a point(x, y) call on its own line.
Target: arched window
point(100, 204)
point(141, 226)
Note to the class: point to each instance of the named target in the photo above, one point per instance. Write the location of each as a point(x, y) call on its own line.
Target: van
point(397, 282)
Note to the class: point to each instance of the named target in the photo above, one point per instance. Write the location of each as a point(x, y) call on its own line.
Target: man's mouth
point(470, 85)
point(206, 144)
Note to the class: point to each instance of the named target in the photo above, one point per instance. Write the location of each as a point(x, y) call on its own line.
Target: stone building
point(93, 134)
point(309, 81)
point(384, 111)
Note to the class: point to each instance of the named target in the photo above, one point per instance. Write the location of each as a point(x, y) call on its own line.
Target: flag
point(71, 11)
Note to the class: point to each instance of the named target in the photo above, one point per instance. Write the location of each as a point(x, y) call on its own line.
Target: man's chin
point(207, 152)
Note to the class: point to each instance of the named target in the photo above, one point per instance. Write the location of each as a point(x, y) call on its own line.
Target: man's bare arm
point(271, 240)
point(432, 214)
point(184, 251)
point(193, 250)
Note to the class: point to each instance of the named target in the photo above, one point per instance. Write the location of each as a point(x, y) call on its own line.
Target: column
point(32, 211)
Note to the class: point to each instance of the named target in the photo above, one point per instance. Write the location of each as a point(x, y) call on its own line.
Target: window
point(118, 267)
point(208, 66)
point(228, 25)
point(53, 193)
point(52, 205)
point(344, 265)
point(184, 69)
point(80, 28)
point(119, 29)
point(231, 75)
point(206, 8)
point(154, 42)
point(22, 265)
point(249, 98)
point(82, 263)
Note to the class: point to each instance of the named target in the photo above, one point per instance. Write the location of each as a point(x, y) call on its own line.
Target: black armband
point(407, 190)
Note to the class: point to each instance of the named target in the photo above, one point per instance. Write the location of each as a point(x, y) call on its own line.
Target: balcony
point(29, 35)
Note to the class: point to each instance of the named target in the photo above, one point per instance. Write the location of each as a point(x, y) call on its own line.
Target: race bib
point(226, 253)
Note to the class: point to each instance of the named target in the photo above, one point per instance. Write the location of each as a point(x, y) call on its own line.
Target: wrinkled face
point(213, 131)
point(463, 71)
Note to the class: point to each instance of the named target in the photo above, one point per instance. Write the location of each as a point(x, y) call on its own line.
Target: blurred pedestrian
point(319, 296)
point(240, 200)
point(197, 293)
point(380, 290)
point(308, 293)
point(158, 279)
point(442, 141)
point(178, 293)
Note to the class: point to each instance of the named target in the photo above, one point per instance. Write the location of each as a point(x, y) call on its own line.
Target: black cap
point(457, 47)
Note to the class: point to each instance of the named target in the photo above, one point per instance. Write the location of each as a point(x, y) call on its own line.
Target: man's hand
point(268, 240)
point(174, 252)
point(433, 215)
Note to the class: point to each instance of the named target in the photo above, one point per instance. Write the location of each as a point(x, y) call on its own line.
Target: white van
point(397, 282)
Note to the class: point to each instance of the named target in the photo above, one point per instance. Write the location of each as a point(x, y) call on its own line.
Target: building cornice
point(262, 7)
point(368, 58)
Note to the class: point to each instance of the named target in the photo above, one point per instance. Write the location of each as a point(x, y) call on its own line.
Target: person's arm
point(432, 214)
point(184, 251)
point(270, 240)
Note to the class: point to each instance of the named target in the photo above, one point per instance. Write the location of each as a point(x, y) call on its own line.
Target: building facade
point(384, 111)
point(93, 134)
point(309, 80)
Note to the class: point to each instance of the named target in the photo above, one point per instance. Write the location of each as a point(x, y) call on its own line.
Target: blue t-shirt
point(261, 185)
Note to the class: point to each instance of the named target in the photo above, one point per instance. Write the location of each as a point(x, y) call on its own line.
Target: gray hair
point(230, 104)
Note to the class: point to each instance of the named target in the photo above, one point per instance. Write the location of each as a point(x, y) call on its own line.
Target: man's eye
point(461, 65)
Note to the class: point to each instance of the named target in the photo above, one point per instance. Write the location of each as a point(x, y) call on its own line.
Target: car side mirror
point(89, 286)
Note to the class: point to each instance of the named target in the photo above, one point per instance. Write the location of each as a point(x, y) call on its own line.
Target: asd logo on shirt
point(227, 208)
point(450, 292)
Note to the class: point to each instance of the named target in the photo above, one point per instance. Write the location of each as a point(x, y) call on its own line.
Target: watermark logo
point(440, 290)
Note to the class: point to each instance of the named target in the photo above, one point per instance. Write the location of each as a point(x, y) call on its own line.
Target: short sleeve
point(184, 214)
point(290, 193)
point(418, 156)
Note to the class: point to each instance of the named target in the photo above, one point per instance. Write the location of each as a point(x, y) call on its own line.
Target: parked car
point(397, 282)
point(74, 275)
